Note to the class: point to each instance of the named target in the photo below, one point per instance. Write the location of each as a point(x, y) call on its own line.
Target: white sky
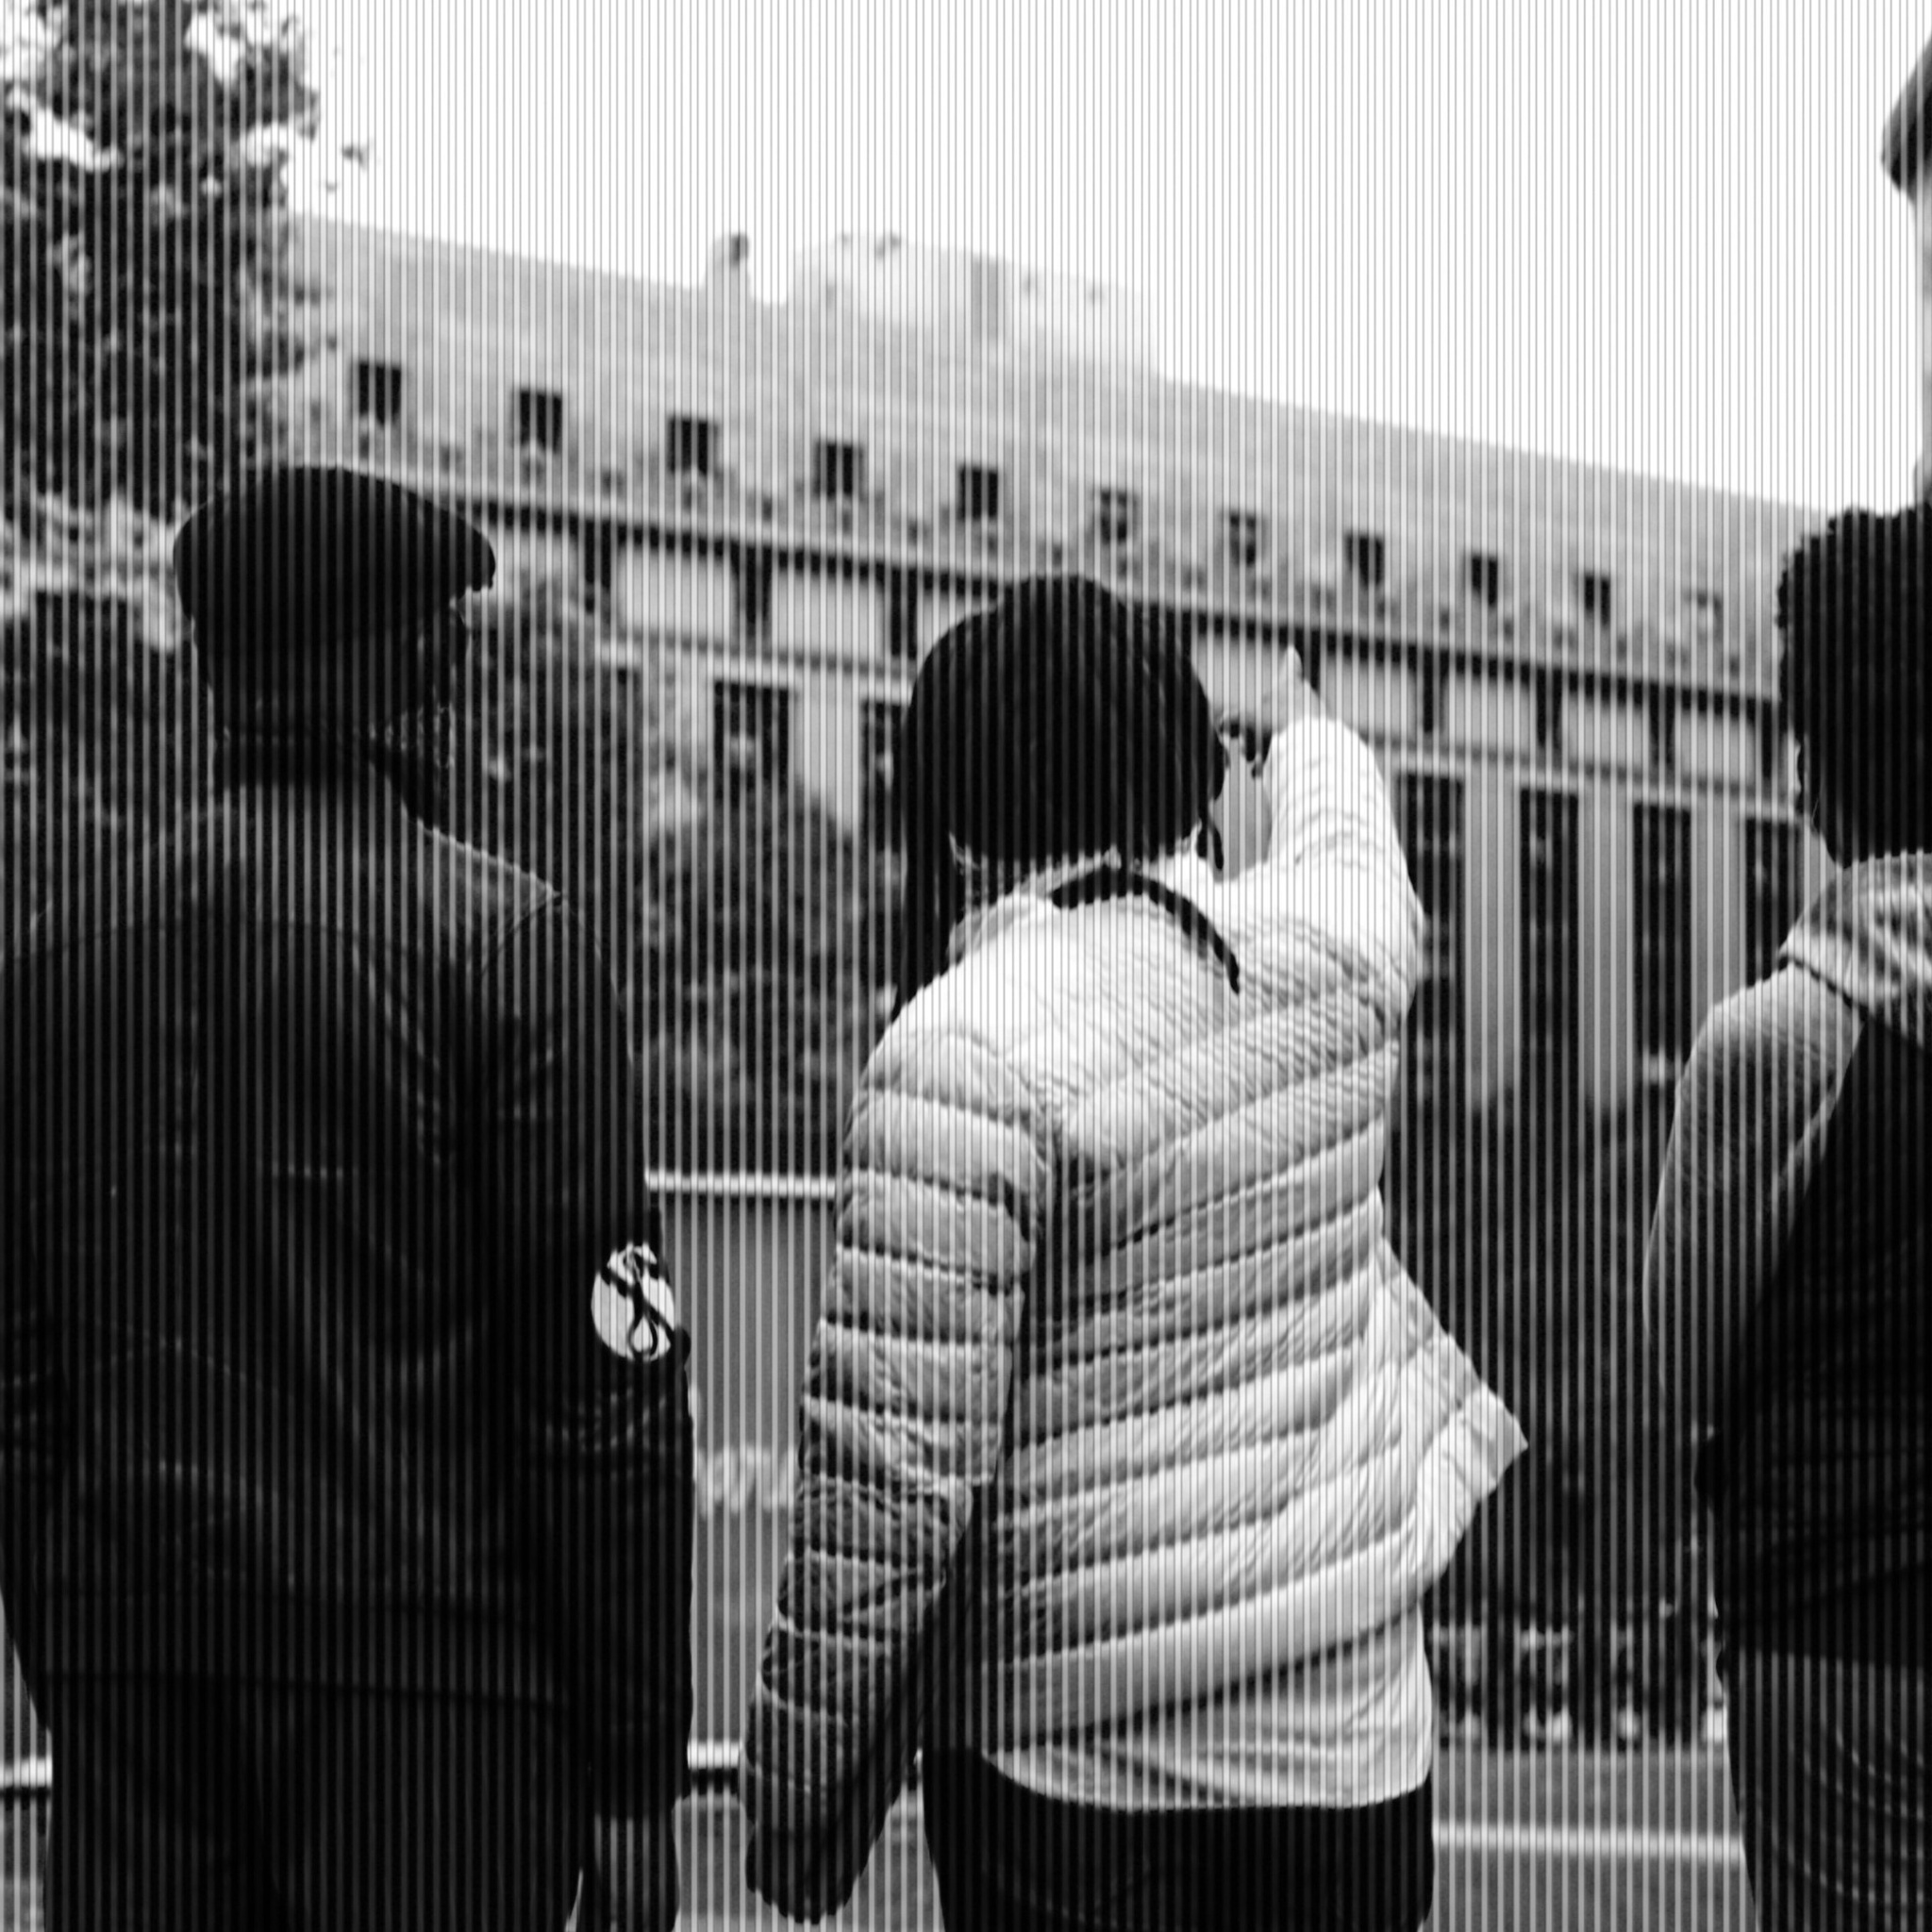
point(1653, 234)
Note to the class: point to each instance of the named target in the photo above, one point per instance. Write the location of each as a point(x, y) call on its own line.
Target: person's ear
point(1207, 843)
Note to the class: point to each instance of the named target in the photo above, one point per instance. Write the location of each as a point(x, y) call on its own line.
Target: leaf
point(143, 368)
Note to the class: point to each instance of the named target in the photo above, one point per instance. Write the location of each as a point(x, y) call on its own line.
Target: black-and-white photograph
point(965, 965)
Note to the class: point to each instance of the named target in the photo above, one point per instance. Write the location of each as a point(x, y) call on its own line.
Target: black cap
point(303, 557)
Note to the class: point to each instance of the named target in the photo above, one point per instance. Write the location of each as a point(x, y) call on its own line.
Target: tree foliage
point(748, 929)
point(148, 287)
point(565, 765)
point(101, 741)
point(759, 980)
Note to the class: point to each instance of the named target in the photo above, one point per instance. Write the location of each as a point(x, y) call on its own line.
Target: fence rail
point(751, 1246)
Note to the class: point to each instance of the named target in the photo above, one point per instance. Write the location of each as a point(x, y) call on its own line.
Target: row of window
point(1431, 812)
point(1115, 516)
point(692, 444)
point(752, 727)
point(1753, 755)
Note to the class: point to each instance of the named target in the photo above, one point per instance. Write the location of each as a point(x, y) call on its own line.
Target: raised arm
point(941, 1208)
point(1334, 877)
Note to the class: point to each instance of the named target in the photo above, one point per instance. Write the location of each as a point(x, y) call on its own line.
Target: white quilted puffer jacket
point(1118, 1393)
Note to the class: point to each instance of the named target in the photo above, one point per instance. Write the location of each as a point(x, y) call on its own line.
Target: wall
point(1378, 700)
point(694, 597)
point(820, 611)
point(1492, 712)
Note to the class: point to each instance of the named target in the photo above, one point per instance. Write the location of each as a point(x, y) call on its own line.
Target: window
point(1243, 539)
point(540, 419)
point(598, 549)
point(1771, 891)
point(1662, 943)
point(751, 736)
point(378, 393)
point(1704, 613)
point(837, 471)
point(902, 616)
point(753, 576)
point(1432, 839)
point(1777, 769)
point(978, 500)
point(1594, 597)
point(1365, 556)
point(691, 446)
point(1116, 516)
point(878, 739)
point(1482, 578)
point(1550, 955)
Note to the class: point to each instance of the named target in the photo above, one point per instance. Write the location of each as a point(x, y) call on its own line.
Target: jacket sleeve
point(1752, 1114)
point(1334, 892)
point(599, 1430)
point(33, 1414)
point(944, 1194)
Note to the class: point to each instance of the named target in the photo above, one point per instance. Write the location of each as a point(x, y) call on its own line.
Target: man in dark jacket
point(345, 1479)
point(1786, 1285)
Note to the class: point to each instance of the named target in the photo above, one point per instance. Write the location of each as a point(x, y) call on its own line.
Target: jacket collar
point(1002, 894)
point(1867, 936)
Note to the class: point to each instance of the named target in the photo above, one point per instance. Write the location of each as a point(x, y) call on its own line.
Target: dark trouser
point(1006, 1859)
point(188, 1803)
point(1831, 1768)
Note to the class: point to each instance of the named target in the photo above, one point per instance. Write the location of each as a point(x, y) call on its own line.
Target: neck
point(410, 751)
point(989, 880)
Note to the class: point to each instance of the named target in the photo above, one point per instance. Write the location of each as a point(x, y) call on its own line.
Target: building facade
point(1570, 676)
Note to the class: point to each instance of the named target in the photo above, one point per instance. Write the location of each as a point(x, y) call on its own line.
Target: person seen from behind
point(1787, 1286)
point(1128, 1449)
point(346, 1457)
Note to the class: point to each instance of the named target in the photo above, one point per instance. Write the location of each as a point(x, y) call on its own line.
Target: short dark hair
point(1057, 724)
point(1854, 680)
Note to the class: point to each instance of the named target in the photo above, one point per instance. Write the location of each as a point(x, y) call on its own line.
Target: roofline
point(1906, 127)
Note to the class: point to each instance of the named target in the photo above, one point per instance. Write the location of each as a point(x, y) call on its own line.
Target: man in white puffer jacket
point(1128, 1449)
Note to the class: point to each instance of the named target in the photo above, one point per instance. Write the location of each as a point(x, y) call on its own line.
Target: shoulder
point(1067, 997)
point(497, 907)
point(946, 1099)
point(1006, 987)
point(493, 880)
point(1785, 1027)
point(1767, 1063)
point(958, 1045)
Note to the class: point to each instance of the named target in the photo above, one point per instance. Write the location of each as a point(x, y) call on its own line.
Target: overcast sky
point(1653, 234)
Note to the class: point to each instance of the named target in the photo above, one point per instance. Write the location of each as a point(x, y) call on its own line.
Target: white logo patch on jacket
point(633, 1307)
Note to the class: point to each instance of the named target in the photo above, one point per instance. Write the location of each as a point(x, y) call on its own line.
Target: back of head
point(1854, 612)
point(1055, 726)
